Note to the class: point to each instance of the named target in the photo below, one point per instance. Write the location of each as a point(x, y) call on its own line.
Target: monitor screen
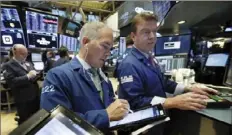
point(228, 75)
point(92, 18)
point(36, 57)
point(41, 30)
point(11, 27)
point(61, 125)
point(72, 29)
point(38, 65)
point(173, 45)
point(69, 42)
point(77, 17)
point(217, 60)
point(161, 8)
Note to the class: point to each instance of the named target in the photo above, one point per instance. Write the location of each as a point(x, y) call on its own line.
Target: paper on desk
point(145, 128)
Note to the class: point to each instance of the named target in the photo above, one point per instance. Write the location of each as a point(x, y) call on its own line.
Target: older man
point(81, 86)
point(19, 75)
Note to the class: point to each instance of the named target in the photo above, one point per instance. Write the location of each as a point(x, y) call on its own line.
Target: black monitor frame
point(227, 73)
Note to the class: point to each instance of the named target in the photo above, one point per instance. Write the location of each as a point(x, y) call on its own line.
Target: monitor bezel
point(226, 73)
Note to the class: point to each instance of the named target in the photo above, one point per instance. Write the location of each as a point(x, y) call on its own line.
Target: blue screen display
point(11, 28)
point(173, 45)
point(70, 42)
point(42, 30)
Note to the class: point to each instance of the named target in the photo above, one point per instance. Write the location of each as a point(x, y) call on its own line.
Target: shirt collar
point(145, 54)
point(83, 63)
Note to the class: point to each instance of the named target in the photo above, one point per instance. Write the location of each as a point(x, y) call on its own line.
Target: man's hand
point(118, 109)
point(201, 89)
point(31, 74)
point(187, 101)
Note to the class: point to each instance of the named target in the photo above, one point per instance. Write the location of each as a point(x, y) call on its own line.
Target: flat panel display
point(11, 27)
point(173, 45)
point(42, 30)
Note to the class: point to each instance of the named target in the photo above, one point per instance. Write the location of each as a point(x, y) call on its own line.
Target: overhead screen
point(161, 8)
point(11, 27)
point(70, 42)
point(173, 45)
point(41, 29)
point(128, 10)
point(93, 18)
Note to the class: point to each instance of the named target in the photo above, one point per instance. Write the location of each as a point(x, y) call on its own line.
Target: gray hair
point(91, 30)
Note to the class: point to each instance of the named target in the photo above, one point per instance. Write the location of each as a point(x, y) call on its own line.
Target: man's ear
point(132, 35)
point(85, 41)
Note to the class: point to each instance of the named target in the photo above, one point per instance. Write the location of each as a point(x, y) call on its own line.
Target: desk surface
point(223, 115)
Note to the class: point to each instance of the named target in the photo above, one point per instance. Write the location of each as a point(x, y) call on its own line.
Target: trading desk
point(204, 122)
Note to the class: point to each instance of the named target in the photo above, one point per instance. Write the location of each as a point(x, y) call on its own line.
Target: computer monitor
point(42, 29)
point(36, 57)
point(217, 60)
point(11, 27)
point(228, 75)
point(93, 18)
point(173, 45)
point(38, 65)
point(69, 42)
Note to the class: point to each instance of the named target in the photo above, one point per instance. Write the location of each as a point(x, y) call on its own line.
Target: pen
point(130, 111)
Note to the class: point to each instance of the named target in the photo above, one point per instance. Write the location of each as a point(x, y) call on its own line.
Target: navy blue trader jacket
point(71, 86)
point(140, 81)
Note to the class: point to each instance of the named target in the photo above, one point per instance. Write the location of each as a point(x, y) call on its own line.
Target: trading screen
point(69, 42)
point(173, 45)
point(11, 28)
point(42, 30)
point(161, 8)
point(217, 60)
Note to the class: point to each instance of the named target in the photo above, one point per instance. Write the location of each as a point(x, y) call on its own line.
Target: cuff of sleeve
point(104, 118)
point(157, 100)
point(179, 89)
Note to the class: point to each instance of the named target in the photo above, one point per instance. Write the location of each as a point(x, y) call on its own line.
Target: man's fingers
point(198, 101)
point(210, 91)
point(123, 101)
point(198, 106)
point(195, 95)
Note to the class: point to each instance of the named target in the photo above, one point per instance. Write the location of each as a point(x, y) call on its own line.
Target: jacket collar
point(75, 64)
point(138, 54)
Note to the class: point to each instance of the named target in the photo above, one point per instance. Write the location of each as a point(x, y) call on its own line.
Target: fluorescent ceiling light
point(181, 22)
